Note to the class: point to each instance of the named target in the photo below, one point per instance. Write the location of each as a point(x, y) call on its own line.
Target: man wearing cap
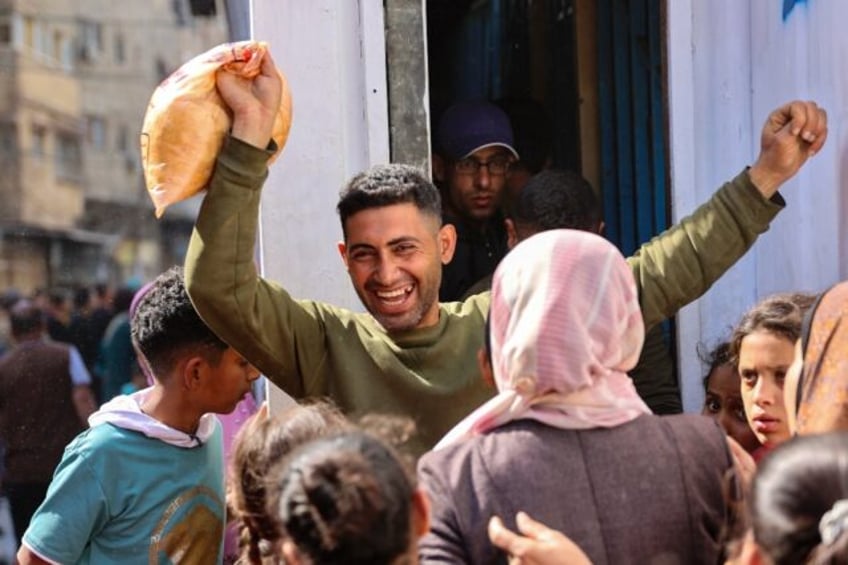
point(470, 165)
point(410, 354)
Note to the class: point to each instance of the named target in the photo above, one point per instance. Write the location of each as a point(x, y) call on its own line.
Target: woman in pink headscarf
point(567, 438)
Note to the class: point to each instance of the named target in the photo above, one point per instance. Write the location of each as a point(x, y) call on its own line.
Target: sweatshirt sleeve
point(682, 263)
point(280, 336)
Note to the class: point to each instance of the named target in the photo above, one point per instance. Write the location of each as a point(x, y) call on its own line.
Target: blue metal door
point(632, 118)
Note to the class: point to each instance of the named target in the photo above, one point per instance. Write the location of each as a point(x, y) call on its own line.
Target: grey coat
point(649, 491)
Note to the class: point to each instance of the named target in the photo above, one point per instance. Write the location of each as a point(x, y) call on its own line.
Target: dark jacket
point(37, 413)
point(476, 256)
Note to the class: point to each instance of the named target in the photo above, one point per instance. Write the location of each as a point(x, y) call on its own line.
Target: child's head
point(347, 499)
point(723, 400)
point(181, 350)
point(798, 506)
point(763, 348)
point(261, 443)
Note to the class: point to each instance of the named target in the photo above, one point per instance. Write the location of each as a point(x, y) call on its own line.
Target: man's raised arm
point(681, 264)
point(255, 317)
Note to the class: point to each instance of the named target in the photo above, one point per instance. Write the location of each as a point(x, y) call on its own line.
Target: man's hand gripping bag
point(187, 121)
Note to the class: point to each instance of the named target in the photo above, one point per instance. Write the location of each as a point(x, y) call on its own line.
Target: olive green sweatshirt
point(313, 349)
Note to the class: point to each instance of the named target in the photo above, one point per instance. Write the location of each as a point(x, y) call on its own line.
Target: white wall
point(730, 63)
point(333, 55)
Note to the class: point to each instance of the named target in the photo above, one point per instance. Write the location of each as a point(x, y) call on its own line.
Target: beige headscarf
point(565, 327)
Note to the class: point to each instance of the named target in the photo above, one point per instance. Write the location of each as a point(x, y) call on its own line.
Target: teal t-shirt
point(119, 496)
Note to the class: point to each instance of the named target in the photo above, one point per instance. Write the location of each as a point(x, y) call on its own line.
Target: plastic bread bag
point(187, 121)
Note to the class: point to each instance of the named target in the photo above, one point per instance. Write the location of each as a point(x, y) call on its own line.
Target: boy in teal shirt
point(146, 484)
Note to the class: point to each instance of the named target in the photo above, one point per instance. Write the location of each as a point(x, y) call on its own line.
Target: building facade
point(77, 76)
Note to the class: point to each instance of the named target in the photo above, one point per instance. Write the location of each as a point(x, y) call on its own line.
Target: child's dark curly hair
point(165, 326)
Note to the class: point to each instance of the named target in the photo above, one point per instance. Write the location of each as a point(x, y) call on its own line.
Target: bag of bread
point(187, 121)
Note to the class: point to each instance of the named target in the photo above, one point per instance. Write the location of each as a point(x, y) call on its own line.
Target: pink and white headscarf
point(565, 327)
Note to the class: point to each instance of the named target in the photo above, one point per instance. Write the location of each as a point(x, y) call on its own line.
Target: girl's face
point(724, 404)
point(764, 359)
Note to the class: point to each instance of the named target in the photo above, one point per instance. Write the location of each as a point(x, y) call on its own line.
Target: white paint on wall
point(730, 64)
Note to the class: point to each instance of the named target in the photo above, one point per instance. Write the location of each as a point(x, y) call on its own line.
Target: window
point(181, 12)
point(29, 32)
point(68, 157)
point(131, 163)
point(96, 132)
point(5, 32)
point(8, 140)
point(122, 139)
point(202, 7)
point(40, 39)
point(92, 40)
point(120, 49)
point(162, 70)
point(18, 30)
point(39, 141)
point(58, 42)
point(67, 55)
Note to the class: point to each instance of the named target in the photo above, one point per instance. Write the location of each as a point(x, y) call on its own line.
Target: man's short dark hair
point(556, 199)
point(25, 318)
point(166, 326)
point(386, 185)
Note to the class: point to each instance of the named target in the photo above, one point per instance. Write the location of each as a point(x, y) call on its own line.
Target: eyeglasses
point(495, 166)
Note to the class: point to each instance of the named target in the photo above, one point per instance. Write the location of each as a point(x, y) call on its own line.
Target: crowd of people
point(495, 402)
point(61, 356)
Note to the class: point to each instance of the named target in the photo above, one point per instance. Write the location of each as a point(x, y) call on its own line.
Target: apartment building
point(75, 79)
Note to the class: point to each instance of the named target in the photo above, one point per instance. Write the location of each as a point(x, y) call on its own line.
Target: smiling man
point(394, 252)
point(410, 354)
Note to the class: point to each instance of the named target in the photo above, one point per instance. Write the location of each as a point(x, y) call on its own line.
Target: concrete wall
point(730, 63)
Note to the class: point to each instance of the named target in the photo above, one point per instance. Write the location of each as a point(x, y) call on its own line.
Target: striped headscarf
point(565, 327)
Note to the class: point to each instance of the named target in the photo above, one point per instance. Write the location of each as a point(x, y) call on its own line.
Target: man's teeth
point(388, 295)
